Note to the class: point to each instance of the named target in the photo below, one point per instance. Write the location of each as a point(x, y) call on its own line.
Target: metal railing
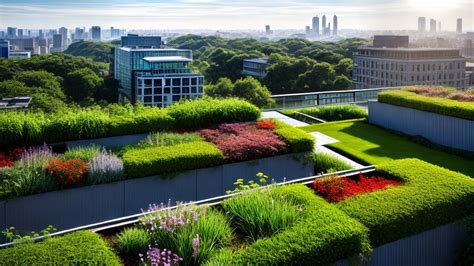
point(309, 99)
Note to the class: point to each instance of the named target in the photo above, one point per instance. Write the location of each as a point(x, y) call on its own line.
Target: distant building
point(439, 26)
point(96, 33)
point(57, 43)
point(268, 29)
point(376, 67)
point(470, 74)
point(307, 30)
point(432, 25)
point(391, 41)
point(256, 67)
point(421, 24)
point(19, 55)
point(78, 34)
point(155, 76)
point(323, 22)
point(4, 49)
point(20, 33)
point(11, 32)
point(114, 33)
point(459, 25)
point(468, 48)
point(316, 25)
point(64, 35)
point(334, 30)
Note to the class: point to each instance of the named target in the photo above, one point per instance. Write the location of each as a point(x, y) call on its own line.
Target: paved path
point(283, 118)
point(322, 140)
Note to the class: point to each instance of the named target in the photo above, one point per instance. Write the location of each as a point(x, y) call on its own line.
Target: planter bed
point(410, 223)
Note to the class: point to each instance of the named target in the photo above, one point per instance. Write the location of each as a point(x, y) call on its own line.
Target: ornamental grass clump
point(132, 241)
point(325, 163)
point(85, 153)
point(104, 168)
point(193, 232)
point(168, 139)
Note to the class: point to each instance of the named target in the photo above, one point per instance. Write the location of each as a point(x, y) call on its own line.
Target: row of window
point(396, 76)
point(173, 90)
point(171, 82)
point(375, 83)
point(413, 67)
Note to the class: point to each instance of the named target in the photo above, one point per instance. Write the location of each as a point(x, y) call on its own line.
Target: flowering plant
point(335, 189)
point(105, 167)
point(266, 124)
point(157, 257)
point(7, 159)
point(67, 173)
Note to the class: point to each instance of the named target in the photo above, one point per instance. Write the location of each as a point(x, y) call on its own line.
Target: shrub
point(441, 106)
point(158, 160)
point(138, 119)
point(84, 247)
point(168, 139)
point(325, 163)
point(259, 214)
point(193, 232)
point(84, 153)
point(104, 168)
point(430, 197)
point(267, 124)
point(20, 128)
point(8, 158)
point(298, 139)
point(207, 111)
point(132, 241)
point(335, 189)
point(331, 112)
point(68, 173)
point(322, 234)
point(241, 142)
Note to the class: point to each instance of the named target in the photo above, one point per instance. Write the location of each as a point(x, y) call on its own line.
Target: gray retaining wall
point(71, 208)
point(448, 131)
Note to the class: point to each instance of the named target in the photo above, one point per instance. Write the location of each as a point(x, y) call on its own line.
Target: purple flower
point(105, 167)
point(195, 245)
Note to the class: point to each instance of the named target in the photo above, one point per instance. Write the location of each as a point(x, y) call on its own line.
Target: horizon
point(368, 15)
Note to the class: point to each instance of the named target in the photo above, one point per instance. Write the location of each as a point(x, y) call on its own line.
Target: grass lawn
point(375, 145)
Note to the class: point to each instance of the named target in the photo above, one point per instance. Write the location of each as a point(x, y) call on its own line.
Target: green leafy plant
point(168, 139)
point(133, 241)
point(325, 163)
point(240, 184)
point(299, 140)
point(83, 153)
point(13, 236)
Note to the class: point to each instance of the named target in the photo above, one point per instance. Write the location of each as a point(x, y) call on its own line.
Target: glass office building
point(156, 76)
point(4, 49)
point(256, 67)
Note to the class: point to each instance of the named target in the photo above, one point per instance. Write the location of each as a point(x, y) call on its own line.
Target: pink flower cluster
point(160, 216)
point(156, 257)
point(241, 142)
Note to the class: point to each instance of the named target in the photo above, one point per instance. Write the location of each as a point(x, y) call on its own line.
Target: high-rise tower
point(324, 23)
point(421, 24)
point(316, 25)
point(334, 25)
point(459, 25)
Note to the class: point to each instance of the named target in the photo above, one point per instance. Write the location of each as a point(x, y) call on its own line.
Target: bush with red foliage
point(335, 189)
point(240, 142)
point(7, 159)
point(68, 173)
point(266, 124)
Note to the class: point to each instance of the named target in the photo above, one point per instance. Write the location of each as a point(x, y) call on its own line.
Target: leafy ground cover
point(375, 145)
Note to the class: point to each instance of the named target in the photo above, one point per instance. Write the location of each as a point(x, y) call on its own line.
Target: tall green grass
point(168, 139)
point(84, 153)
point(325, 163)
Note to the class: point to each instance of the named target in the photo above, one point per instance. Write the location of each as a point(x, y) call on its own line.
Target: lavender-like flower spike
point(195, 245)
point(105, 167)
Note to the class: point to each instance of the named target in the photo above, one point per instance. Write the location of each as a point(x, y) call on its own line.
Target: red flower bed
point(266, 125)
point(335, 189)
point(68, 173)
point(7, 159)
point(240, 142)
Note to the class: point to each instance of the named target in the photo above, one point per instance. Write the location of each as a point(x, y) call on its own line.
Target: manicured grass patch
point(81, 248)
point(141, 162)
point(299, 140)
point(431, 196)
point(207, 111)
point(375, 145)
point(323, 234)
point(331, 112)
point(441, 106)
point(325, 163)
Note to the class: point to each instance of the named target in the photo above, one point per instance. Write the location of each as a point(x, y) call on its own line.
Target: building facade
point(256, 67)
point(96, 34)
point(4, 49)
point(316, 26)
point(459, 25)
point(390, 67)
point(155, 76)
point(421, 24)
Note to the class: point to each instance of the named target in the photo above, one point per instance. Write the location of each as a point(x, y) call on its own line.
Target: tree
point(319, 78)
point(222, 89)
point(251, 90)
point(46, 82)
point(342, 83)
point(344, 67)
point(82, 83)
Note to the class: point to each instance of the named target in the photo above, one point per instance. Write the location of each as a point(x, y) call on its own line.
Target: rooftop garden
point(199, 134)
point(374, 145)
point(330, 113)
point(439, 100)
point(289, 224)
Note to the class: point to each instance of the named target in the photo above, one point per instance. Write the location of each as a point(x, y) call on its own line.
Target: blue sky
point(231, 14)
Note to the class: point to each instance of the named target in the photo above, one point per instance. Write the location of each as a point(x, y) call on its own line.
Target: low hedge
point(441, 106)
point(208, 111)
point(299, 140)
point(330, 112)
point(323, 234)
point(80, 248)
point(431, 196)
point(141, 162)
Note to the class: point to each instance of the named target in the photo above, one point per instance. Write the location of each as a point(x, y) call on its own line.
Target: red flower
point(335, 189)
point(266, 124)
point(7, 159)
point(68, 173)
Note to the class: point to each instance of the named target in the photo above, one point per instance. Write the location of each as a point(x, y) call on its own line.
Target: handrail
point(332, 92)
point(131, 219)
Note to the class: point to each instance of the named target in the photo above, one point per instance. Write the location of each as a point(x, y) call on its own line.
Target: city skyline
point(212, 14)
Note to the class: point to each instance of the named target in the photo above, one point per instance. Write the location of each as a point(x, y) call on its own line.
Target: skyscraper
point(11, 32)
point(432, 25)
point(78, 34)
point(308, 30)
point(4, 49)
point(268, 29)
point(57, 43)
point(439, 26)
point(20, 33)
point(95, 33)
point(421, 24)
point(324, 23)
point(334, 31)
point(64, 33)
point(316, 25)
point(459, 25)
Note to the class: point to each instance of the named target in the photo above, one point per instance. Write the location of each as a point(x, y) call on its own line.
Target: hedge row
point(168, 159)
point(323, 234)
point(331, 112)
point(441, 106)
point(299, 140)
point(80, 248)
point(430, 197)
point(20, 128)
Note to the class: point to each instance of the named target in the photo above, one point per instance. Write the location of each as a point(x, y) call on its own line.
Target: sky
point(232, 14)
